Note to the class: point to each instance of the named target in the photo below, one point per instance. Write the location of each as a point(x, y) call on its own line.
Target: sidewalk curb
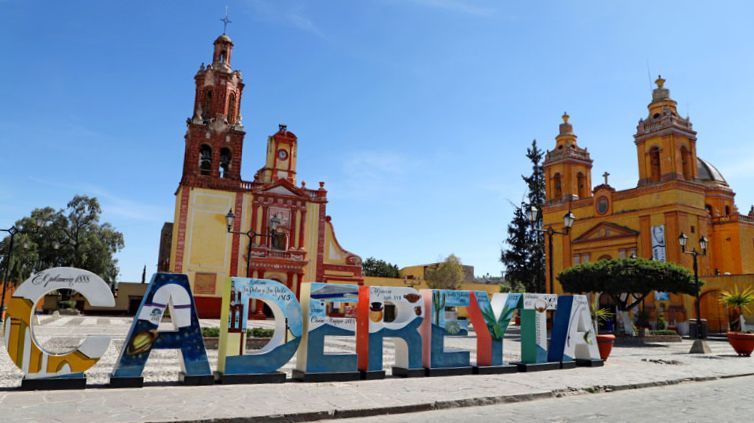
point(447, 404)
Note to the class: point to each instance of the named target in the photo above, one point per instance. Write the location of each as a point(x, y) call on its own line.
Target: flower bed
point(256, 338)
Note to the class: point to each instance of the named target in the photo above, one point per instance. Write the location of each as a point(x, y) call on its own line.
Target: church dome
point(223, 38)
point(706, 172)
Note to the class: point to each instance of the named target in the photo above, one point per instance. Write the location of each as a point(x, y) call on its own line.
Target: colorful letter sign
point(232, 356)
point(316, 299)
point(165, 290)
point(417, 321)
point(573, 334)
point(20, 342)
point(436, 328)
point(490, 320)
point(389, 312)
point(534, 326)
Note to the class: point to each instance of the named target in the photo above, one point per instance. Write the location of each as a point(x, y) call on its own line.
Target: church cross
point(605, 175)
point(226, 20)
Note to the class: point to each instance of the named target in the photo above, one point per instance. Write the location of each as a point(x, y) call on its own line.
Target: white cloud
point(373, 174)
point(461, 6)
point(371, 164)
point(112, 204)
point(287, 13)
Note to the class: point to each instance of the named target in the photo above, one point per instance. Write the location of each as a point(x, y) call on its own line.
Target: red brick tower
point(214, 139)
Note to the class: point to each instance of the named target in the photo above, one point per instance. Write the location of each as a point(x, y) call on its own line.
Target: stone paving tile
point(727, 400)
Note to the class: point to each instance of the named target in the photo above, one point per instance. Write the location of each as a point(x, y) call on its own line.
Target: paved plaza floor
point(723, 400)
point(628, 367)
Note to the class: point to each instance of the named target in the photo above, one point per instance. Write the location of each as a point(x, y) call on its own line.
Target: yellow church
point(271, 227)
point(677, 193)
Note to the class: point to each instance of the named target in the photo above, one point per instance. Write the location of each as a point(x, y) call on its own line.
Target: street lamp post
point(251, 234)
point(568, 220)
point(13, 230)
point(700, 345)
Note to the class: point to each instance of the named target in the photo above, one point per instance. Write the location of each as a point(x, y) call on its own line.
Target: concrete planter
point(211, 342)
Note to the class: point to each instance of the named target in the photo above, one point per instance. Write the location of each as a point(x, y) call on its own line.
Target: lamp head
point(533, 214)
point(568, 220)
point(229, 219)
point(703, 244)
point(682, 240)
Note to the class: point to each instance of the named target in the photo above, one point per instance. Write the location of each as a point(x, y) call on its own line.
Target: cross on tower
point(605, 175)
point(226, 20)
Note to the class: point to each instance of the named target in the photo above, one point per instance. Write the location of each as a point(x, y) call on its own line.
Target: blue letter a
point(165, 290)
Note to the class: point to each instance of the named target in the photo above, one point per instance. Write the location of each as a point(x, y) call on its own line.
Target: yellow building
point(280, 228)
point(419, 272)
point(677, 192)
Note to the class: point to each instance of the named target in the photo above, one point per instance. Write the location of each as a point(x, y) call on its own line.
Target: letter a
point(164, 290)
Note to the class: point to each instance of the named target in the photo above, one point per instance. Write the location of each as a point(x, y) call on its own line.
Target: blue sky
point(416, 113)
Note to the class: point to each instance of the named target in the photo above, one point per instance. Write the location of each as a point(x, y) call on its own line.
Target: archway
point(713, 311)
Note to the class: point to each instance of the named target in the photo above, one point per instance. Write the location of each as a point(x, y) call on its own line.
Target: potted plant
point(662, 324)
point(605, 341)
point(737, 302)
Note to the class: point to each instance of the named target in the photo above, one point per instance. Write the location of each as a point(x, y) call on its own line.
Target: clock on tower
point(281, 157)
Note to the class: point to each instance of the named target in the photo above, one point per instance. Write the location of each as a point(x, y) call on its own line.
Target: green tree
point(517, 256)
point(535, 183)
point(523, 255)
point(380, 268)
point(446, 275)
point(628, 281)
point(68, 237)
point(512, 286)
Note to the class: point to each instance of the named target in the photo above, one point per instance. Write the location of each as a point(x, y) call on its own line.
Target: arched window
point(581, 180)
point(224, 162)
point(727, 210)
point(207, 105)
point(279, 240)
point(557, 188)
point(709, 209)
point(232, 108)
point(654, 164)
point(223, 55)
point(205, 160)
point(686, 162)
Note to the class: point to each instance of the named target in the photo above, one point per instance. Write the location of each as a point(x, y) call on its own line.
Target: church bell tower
point(567, 168)
point(214, 137)
point(665, 142)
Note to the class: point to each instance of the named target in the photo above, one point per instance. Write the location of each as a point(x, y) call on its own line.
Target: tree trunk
point(628, 324)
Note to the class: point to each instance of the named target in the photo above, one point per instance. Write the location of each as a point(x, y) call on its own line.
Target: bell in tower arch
point(223, 50)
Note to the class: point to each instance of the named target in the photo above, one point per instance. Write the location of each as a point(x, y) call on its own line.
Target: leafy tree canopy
point(447, 275)
point(68, 237)
point(379, 268)
point(628, 281)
